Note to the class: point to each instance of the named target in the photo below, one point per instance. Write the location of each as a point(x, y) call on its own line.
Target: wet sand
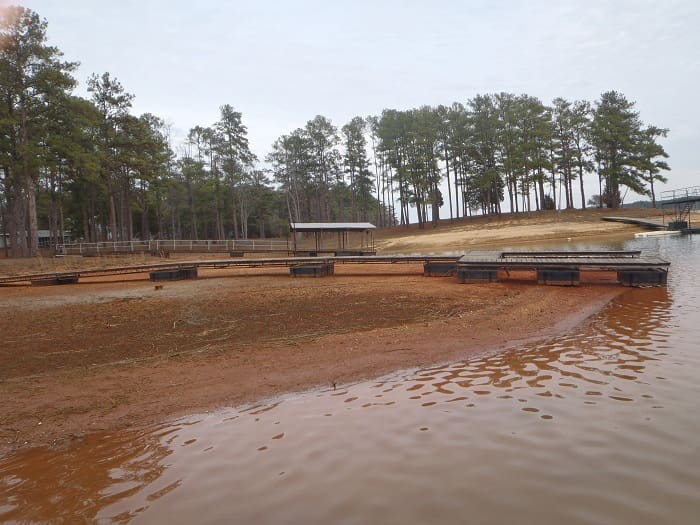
point(109, 355)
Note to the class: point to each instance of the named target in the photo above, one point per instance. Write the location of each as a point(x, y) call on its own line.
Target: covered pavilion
point(337, 238)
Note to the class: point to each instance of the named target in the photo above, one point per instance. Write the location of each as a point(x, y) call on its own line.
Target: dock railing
point(680, 195)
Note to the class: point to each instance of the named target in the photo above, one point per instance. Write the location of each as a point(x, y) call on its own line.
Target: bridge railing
point(680, 194)
point(172, 245)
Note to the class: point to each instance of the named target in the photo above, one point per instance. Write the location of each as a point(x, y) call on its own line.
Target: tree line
point(90, 167)
point(502, 147)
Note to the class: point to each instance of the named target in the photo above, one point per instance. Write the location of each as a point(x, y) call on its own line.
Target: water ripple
point(597, 426)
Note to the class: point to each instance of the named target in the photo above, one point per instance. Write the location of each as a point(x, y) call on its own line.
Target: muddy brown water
point(599, 426)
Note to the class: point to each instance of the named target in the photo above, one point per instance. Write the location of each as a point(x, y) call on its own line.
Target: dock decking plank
point(576, 260)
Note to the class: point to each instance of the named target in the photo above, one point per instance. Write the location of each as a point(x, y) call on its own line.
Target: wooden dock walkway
point(225, 263)
point(562, 267)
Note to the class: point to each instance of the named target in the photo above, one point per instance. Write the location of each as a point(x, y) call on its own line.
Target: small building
point(337, 238)
point(44, 239)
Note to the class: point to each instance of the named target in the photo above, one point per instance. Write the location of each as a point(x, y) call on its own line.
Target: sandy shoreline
point(104, 355)
point(152, 357)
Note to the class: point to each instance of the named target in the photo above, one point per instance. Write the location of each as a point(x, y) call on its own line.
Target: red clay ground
point(108, 355)
point(91, 356)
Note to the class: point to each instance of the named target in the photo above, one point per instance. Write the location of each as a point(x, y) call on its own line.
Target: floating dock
point(563, 267)
point(552, 267)
point(233, 262)
point(646, 223)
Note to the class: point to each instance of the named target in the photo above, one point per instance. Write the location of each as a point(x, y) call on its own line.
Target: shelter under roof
point(338, 238)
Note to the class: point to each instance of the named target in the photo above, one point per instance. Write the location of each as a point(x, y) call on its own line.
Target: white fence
point(167, 246)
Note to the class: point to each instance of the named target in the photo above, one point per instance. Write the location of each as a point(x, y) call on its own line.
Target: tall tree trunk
point(509, 187)
point(540, 186)
point(86, 223)
point(600, 187)
point(4, 230)
point(449, 190)
point(16, 205)
point(33, 221)
point(61, 222)
point(234, 216)
point(570, 170)
point(30, 188)
point(145, 225)
point(113, 216)
point(92, 218)
point(651, 189)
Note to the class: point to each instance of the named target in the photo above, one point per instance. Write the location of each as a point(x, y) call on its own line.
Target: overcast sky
point(281, 63)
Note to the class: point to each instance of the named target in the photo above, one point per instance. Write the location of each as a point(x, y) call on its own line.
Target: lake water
point(600, 426)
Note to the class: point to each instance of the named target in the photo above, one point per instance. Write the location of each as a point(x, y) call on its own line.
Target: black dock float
point(354, 253)
point(56, 279)
point(558, 276)
point(174, 275)
point(312, 270)
point(477, 275)
point(650, 277)
point(314, 253)
point(439, 269)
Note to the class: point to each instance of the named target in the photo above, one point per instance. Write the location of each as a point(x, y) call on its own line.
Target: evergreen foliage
point(94, 169)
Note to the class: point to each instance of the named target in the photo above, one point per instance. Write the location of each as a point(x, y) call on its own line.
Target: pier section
point(563, 267)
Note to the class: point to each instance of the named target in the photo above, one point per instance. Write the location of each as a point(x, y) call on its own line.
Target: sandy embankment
point(107, 355)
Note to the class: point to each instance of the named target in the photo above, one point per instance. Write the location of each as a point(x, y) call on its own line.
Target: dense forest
point(90, 167)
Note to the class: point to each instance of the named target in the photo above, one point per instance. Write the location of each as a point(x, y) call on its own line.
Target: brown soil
point(107, 354)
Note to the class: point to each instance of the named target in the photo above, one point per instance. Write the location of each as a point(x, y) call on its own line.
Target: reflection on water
point(60, 486)
point(598, 426)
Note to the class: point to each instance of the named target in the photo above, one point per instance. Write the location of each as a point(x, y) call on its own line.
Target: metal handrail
point(670, 195)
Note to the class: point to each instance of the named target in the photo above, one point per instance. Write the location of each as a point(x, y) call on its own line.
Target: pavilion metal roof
point(331, 226)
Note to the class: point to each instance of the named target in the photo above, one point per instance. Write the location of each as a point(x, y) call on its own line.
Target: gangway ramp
point(683, 201)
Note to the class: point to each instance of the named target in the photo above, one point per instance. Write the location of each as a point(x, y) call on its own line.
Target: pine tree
point(615, 132)
point(32, 79)
point(651, 154)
